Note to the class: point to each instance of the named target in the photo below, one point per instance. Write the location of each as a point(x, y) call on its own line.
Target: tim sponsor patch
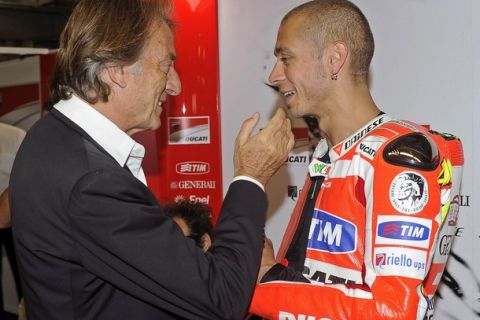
point(403, 231)
point(331, 233)
point(395, 261)
point(409, 192)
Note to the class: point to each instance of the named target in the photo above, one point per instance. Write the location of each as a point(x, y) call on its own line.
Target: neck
point(349, 108)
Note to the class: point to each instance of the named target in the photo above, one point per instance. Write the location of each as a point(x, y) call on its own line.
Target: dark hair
point(197, 216)
point(101, 33)
point(326, 21)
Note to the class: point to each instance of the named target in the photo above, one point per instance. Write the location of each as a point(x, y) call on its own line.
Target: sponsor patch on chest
point(331, 273)
point(331, 233)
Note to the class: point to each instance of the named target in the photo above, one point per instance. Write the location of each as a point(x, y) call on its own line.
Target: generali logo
point(192, 167)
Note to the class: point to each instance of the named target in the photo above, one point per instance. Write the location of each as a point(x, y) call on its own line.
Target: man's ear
point(337, 53)
point(116, 75)
point(206, 242)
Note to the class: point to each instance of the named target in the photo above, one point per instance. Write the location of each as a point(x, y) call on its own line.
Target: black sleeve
point(280, 272)
point(123, 237)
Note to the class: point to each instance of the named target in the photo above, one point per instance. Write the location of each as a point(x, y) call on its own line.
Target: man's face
point(298, 72)
point(153, 78)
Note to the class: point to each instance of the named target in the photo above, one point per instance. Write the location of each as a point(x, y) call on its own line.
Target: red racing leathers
point(378, 233)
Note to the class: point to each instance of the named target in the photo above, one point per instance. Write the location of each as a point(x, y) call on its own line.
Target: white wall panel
point(20, 71)
point(426, 69)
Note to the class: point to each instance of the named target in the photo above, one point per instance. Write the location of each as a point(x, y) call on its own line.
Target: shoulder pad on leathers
point(444, 135)
point(413, 150)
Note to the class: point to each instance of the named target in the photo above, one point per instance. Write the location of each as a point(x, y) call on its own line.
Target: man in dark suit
point(93, 243)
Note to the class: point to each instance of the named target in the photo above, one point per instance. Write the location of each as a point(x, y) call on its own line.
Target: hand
point(4, 210)
point(259, 156)
point(268, 259)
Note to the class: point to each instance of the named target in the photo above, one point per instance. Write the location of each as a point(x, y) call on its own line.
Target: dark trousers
point(7, 241)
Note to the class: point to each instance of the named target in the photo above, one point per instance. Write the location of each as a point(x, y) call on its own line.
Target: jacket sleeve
point(123, 237)
point(400, 242)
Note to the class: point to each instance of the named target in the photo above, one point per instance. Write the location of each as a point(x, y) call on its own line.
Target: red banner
point(183, 157)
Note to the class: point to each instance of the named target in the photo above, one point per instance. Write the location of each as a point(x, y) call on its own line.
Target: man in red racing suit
point(384, 210)
point(371, 232)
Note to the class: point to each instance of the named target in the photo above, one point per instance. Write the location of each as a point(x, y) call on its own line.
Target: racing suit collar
point(341, 148)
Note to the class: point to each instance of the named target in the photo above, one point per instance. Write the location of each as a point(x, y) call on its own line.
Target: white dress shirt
point(116, 142)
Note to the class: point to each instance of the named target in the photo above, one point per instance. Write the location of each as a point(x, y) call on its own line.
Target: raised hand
point(259, 156)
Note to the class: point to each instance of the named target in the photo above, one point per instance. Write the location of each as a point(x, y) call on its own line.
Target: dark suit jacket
point(93, 242)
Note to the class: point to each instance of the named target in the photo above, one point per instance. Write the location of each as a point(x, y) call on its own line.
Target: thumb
point(247, 127)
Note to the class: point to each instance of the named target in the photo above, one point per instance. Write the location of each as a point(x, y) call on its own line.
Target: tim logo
point(331, 233)
point(192, 167)
point(189, 130)
point(403, 230)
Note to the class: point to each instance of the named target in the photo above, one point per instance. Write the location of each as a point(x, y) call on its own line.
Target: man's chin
point(294, 111)
point(157, 125)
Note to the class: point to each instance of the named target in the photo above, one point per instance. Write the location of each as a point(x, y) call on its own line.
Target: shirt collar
point(110, 137)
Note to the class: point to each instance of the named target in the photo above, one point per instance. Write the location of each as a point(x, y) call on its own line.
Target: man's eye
point(285, 60)
point(165, 66)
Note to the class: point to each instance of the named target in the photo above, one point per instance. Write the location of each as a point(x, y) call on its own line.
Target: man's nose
point(174, 86)
point(277, 74)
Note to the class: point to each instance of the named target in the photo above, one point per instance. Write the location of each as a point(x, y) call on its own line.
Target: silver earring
point(334, 76)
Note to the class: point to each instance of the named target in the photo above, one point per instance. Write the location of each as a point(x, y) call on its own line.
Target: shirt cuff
point(249, 179)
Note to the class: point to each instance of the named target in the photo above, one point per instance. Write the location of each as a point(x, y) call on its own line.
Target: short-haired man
point(363, 242)
point(92, 240)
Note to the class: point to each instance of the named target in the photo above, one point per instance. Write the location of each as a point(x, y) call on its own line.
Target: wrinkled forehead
point(161, 40)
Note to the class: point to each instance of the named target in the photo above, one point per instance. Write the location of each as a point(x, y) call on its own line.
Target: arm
point(123, 237)
point(395, 264)
point(126, 240)
point(270, 270)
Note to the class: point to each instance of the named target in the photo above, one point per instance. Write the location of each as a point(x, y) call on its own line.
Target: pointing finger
point(247, 127)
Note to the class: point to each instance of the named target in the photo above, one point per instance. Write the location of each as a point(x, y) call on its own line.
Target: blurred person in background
point(195, 220)
point(10, 139)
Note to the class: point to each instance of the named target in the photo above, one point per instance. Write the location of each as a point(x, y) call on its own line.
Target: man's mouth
point(288, 93)
point(161, 101)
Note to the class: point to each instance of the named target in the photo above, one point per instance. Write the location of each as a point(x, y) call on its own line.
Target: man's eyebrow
point(280, 50)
